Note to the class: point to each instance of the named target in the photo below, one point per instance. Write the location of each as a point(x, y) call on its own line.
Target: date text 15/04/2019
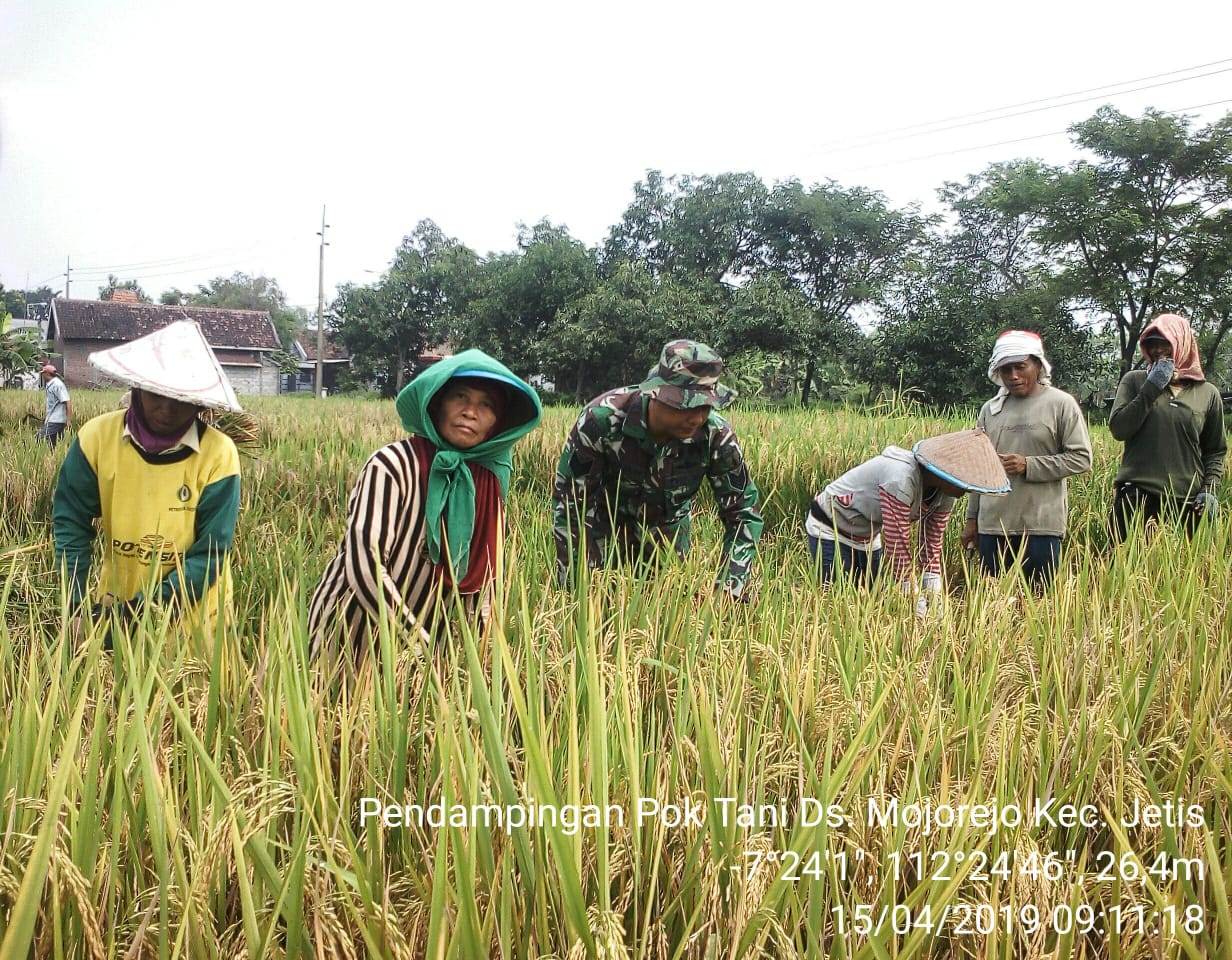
point(1103, 866)
point(983, 919)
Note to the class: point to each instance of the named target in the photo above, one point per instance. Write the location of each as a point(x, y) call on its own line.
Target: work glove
point(929, 595)
point(1160, 372)
point(735, 592)
point(1206, 504)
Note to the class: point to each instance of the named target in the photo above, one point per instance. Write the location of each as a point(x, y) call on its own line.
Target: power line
point(1020, 113)
point(1003, 143)
point(1013, 106)
point(167, 262)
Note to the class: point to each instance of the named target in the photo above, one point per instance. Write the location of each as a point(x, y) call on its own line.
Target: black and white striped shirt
point(382, 561)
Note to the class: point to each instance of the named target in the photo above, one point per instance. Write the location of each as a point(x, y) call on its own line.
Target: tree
point(114, 283)
point(1208, 301)
point(613, 335)
point(175, 297)
point(1135, 227)
point(985, 275)
point(19, 349)
point(26, 304)
point(388, 324)
point(240, 291)
point(839, 248)
point(761, 336)
point(514, 299)
point(692, 227)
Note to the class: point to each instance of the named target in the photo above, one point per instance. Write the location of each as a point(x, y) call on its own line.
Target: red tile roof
point(334, 351)
point(112, 320)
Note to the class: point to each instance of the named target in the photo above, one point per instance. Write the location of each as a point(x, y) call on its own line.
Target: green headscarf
point(451, 489)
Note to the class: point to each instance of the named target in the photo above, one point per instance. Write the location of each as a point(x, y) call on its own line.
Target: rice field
point(213, 796)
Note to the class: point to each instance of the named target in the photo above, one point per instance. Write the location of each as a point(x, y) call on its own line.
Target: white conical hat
point(173, 362)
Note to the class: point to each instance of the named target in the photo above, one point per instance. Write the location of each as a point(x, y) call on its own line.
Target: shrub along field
point(200, 796)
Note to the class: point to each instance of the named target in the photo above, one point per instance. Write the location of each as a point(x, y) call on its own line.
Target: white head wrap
point(1013, 346)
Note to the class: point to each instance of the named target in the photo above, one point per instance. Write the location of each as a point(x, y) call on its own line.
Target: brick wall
point(75, 370)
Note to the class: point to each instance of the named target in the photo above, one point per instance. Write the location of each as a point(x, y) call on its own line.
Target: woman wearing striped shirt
point(427, 512)
point(872, 508)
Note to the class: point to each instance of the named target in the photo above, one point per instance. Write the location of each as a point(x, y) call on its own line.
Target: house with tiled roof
point(244, 341)
point(336, 359)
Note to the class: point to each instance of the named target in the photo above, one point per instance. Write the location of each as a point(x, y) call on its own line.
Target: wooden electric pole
point(321, 312)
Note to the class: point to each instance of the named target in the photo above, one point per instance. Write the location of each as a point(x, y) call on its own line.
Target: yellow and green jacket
point(167, 520)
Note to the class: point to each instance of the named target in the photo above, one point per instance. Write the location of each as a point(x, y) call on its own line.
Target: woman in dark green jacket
point(1171, 421)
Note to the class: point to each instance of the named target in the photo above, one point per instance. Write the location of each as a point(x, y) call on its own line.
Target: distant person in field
point(59, 406)
point(635, 460)
point(163, 486)
point(427, 513)
point(1171, 421)
point(1041, 436)
point(871, 509)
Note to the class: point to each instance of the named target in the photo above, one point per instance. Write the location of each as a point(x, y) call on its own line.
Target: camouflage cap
point(688, 376)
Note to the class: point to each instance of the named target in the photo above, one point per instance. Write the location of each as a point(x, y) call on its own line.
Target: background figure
point(428, 512)
point(1171, 421)
point(1041, 437)
point(635, 460)
point(886, 496)
point(164, 485)
point(59, 406)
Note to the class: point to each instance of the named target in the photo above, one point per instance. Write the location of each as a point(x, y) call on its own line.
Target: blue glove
point(1160, 372)
point(1206, 504)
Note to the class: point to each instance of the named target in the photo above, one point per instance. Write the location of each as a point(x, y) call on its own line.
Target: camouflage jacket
point(612, 473)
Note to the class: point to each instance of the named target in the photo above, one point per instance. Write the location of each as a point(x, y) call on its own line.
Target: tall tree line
point(820, 287)
point(825, 288)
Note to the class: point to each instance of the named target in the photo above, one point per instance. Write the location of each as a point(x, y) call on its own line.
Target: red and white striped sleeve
point(932, 530)
point(896, 534)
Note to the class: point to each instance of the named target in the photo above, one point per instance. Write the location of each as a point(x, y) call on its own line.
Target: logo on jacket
point(147, 548)
point(185, 494)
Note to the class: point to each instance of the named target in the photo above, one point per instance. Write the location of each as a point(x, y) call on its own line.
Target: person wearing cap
point(635, 460)
point(1041, 436)
point(59, 406)
point(872, 508)
point(427, 512)
point(1170, 419)
point(163, 486)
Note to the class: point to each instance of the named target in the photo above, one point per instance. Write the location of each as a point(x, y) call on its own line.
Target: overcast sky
point(173, 142)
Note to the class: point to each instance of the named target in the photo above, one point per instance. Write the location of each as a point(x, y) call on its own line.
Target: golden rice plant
point(199, 796)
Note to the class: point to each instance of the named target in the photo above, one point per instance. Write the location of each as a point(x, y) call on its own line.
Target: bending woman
point(428, 512)
point(1171, 421)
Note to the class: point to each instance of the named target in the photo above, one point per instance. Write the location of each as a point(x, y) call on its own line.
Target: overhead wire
point(1022, 103)
point(1009, 116)
point(1003, 143)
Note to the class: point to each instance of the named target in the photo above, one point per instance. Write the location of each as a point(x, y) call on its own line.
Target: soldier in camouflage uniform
point(635, 460)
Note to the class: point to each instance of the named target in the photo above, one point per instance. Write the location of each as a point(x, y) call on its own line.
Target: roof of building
point(335, 352)
point(116, 320)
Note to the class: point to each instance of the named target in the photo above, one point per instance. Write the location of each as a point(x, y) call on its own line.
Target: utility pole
point(321, 312)
point(68, 274)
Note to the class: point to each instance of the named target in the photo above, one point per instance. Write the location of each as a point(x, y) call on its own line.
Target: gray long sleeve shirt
point(1049, 430)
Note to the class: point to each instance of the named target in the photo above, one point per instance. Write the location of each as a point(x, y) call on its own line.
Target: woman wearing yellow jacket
point(163, 486)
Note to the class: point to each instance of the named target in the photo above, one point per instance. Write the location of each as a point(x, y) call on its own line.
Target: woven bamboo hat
point(174, 362)
point(967, 459)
